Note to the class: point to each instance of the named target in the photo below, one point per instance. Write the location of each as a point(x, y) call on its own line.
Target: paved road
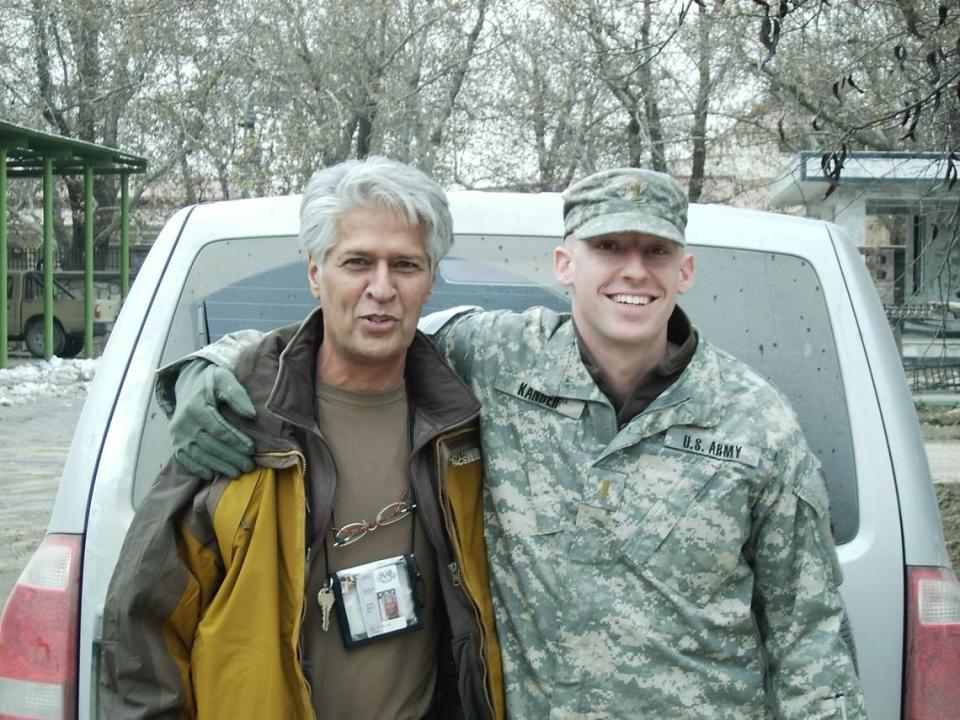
point(36, 438)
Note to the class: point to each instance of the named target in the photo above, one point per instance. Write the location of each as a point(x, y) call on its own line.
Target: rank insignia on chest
point(703, 442)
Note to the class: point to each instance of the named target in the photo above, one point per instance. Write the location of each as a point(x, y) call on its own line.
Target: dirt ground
point(938, 426)
point(948, 496)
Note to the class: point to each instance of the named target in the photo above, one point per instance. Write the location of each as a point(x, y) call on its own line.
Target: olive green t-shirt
point(394, 677)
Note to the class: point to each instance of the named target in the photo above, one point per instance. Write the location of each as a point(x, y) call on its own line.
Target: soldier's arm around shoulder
point(475, 342)
point(167, 573)
point(223, 353)
point(456, 332)
point(800, 614)
point(192, 392)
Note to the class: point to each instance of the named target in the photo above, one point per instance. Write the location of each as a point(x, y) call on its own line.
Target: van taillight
point(932, 677)
point(38, 635)
point(96, 311)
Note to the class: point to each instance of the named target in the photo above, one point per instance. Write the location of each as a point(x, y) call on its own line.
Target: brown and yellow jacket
point(203, 614)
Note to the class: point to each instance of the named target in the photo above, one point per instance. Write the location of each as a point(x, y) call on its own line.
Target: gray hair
point(373, 182)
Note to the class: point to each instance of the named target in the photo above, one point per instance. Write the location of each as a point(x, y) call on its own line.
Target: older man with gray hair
point(657, 526)
point(325, 578)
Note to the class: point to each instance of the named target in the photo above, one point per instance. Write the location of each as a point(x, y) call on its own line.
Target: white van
point(789, 296)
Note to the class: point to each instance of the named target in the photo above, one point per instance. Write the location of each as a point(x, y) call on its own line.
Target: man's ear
point(313, 276)
point(563, 265)
point(686, 274)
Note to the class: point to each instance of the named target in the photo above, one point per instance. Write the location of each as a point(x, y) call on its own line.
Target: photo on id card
point(377, 600)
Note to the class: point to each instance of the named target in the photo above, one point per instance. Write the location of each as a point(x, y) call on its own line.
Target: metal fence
point(105, 258)
point(942, 377)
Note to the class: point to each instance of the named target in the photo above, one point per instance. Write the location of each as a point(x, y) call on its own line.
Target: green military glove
point(203, 441)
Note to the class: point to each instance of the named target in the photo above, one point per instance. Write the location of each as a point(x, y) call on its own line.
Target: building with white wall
point(900, 210)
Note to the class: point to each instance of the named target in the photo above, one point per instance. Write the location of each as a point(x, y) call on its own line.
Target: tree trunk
point(365, 131)
point(701, 109)
point(648, 86)
point(459, 73)
point(634, 141)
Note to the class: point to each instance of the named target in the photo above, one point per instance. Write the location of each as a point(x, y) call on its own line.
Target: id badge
point(377, 600)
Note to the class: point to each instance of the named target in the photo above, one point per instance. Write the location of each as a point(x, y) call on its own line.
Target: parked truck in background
point(25, 313)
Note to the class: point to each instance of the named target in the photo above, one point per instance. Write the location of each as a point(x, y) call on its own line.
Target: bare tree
point(376, 76)
point(871, 75)
point(86, 75)
point(538, 121)
point(81, 69)
point(623, 57)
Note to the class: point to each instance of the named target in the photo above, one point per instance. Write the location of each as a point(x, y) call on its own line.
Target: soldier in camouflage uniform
point(657, 527)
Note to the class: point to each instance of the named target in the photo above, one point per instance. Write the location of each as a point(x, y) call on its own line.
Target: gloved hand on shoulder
point(203, 441)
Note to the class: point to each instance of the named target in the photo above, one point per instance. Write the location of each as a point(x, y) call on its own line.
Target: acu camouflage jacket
point(680, 567)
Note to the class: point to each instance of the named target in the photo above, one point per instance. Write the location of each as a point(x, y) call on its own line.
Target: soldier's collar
point(559, 371)
point(680, 332)
point(696, 393)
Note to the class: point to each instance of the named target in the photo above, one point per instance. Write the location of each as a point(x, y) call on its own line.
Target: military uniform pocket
point(526, 468)
point(690, 542)
point(812, 493)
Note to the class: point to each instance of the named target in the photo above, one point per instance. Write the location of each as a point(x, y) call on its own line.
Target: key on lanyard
point(325, 599)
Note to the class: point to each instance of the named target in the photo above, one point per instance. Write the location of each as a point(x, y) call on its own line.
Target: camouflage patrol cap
point(626, 200)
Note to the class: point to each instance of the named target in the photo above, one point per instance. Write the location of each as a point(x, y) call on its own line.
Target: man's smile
point(626, 299)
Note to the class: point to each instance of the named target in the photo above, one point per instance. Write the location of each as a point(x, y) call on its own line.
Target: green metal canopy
point(27, 149)
point(30, 153)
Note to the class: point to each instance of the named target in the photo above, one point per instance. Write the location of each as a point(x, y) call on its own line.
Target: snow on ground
point(45, 378)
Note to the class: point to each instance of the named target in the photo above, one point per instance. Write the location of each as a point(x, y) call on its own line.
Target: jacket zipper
point(458, 581)
point(303, 603)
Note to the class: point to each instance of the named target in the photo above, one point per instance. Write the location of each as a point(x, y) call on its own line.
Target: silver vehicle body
point(890, 493)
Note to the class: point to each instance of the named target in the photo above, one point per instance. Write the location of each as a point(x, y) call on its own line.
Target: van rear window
point(766, 309)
